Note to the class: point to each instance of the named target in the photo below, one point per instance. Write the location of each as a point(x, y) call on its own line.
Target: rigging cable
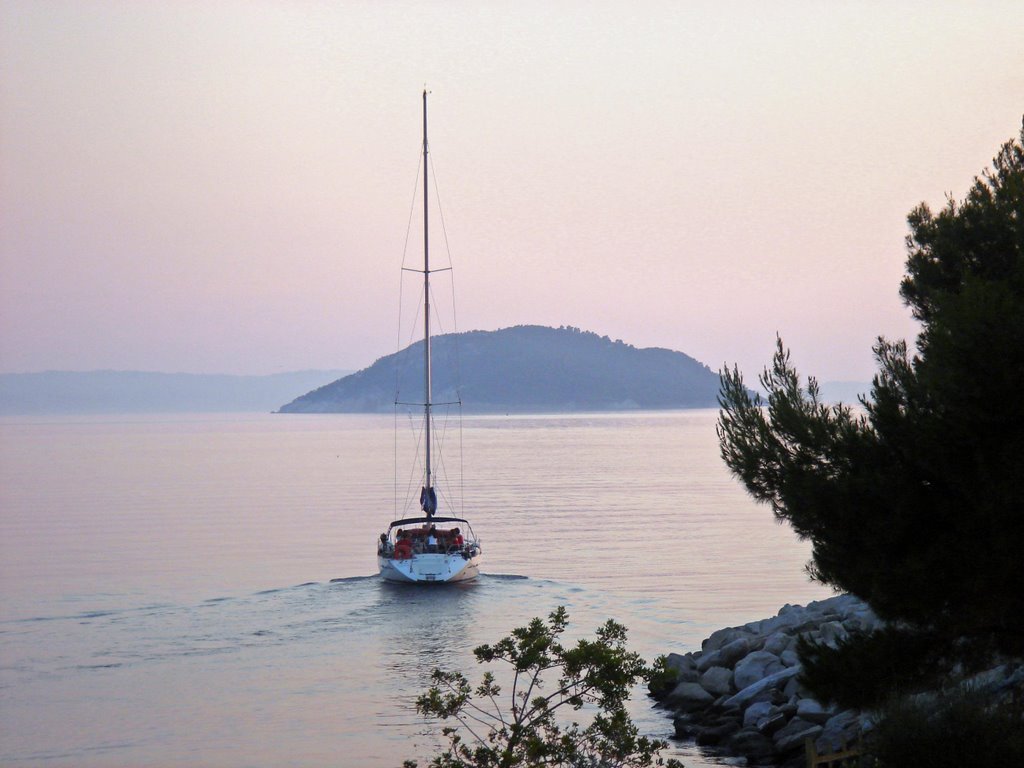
point(401, 293)
point(405, 254)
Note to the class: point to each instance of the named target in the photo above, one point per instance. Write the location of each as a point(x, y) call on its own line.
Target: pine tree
point(916, 505)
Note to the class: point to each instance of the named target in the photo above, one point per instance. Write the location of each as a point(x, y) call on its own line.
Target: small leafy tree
point(524, 727)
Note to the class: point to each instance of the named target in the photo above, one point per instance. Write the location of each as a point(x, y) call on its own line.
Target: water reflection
point(428, 627)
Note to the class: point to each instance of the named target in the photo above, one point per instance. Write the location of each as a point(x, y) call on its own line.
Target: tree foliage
point(916, 505)
point(956, 729)
point(524, 727)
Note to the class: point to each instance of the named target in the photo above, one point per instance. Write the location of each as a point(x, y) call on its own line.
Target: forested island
point(524, 368)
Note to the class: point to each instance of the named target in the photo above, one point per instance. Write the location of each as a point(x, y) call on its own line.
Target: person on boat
point(457, 539)
point(403, 548)
point(384, 547)
point(432, 539)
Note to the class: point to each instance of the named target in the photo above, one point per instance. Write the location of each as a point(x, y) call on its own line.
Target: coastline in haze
point(90, 392)
point(524, 369)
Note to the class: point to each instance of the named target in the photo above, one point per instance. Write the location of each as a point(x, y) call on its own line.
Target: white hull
point(430, 568)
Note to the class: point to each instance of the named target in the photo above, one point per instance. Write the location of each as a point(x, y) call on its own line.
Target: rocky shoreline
point(741, 693)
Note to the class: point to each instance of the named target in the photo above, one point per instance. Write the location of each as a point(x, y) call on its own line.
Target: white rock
point(753, 667)
point(744, 697)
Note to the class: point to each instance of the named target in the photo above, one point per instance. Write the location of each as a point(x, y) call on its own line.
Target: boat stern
point(430, 568)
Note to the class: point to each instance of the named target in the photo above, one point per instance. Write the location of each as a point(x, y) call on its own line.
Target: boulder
point(793, 689)
point(686, 726)
point(755, 712)
point(989, 680)
point(794, 734)
point(715, 735)
point(753, 667)
point(747, 695)
point(690, 697)
point(840, 729)
point(685, 667)
point(732, 652)
point(812, 711)
point(778, 643)
point(843, 605)
point(751, 744)
point(722, 637)
point(680, 662)
point(784, 621)
point(862, 620)
point(789, 658)
point(833, 633)
point(717, 681)
point(708, 660)
point(772, 723)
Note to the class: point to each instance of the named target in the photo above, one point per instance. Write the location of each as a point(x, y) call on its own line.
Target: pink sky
point(224, 187)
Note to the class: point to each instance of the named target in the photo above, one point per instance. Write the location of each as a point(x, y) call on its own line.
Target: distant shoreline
point(113, 392)
point(70, 393)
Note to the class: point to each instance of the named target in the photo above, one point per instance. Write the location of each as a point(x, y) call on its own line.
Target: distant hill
point(523, 369)
point(844, 391)
point(69, 392)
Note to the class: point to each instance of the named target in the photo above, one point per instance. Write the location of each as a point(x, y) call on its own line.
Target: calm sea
point(202, 590)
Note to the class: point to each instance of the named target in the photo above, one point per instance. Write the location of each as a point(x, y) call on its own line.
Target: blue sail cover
point(428, 501)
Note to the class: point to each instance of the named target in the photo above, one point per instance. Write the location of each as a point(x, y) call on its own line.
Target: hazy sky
point(226, 186)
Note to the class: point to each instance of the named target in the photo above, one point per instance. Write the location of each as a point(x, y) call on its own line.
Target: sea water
point(202, 590)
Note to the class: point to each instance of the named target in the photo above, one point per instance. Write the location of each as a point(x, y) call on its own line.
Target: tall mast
point(428, 498)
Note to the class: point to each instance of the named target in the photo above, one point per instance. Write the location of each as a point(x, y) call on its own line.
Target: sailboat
point(428, 548)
